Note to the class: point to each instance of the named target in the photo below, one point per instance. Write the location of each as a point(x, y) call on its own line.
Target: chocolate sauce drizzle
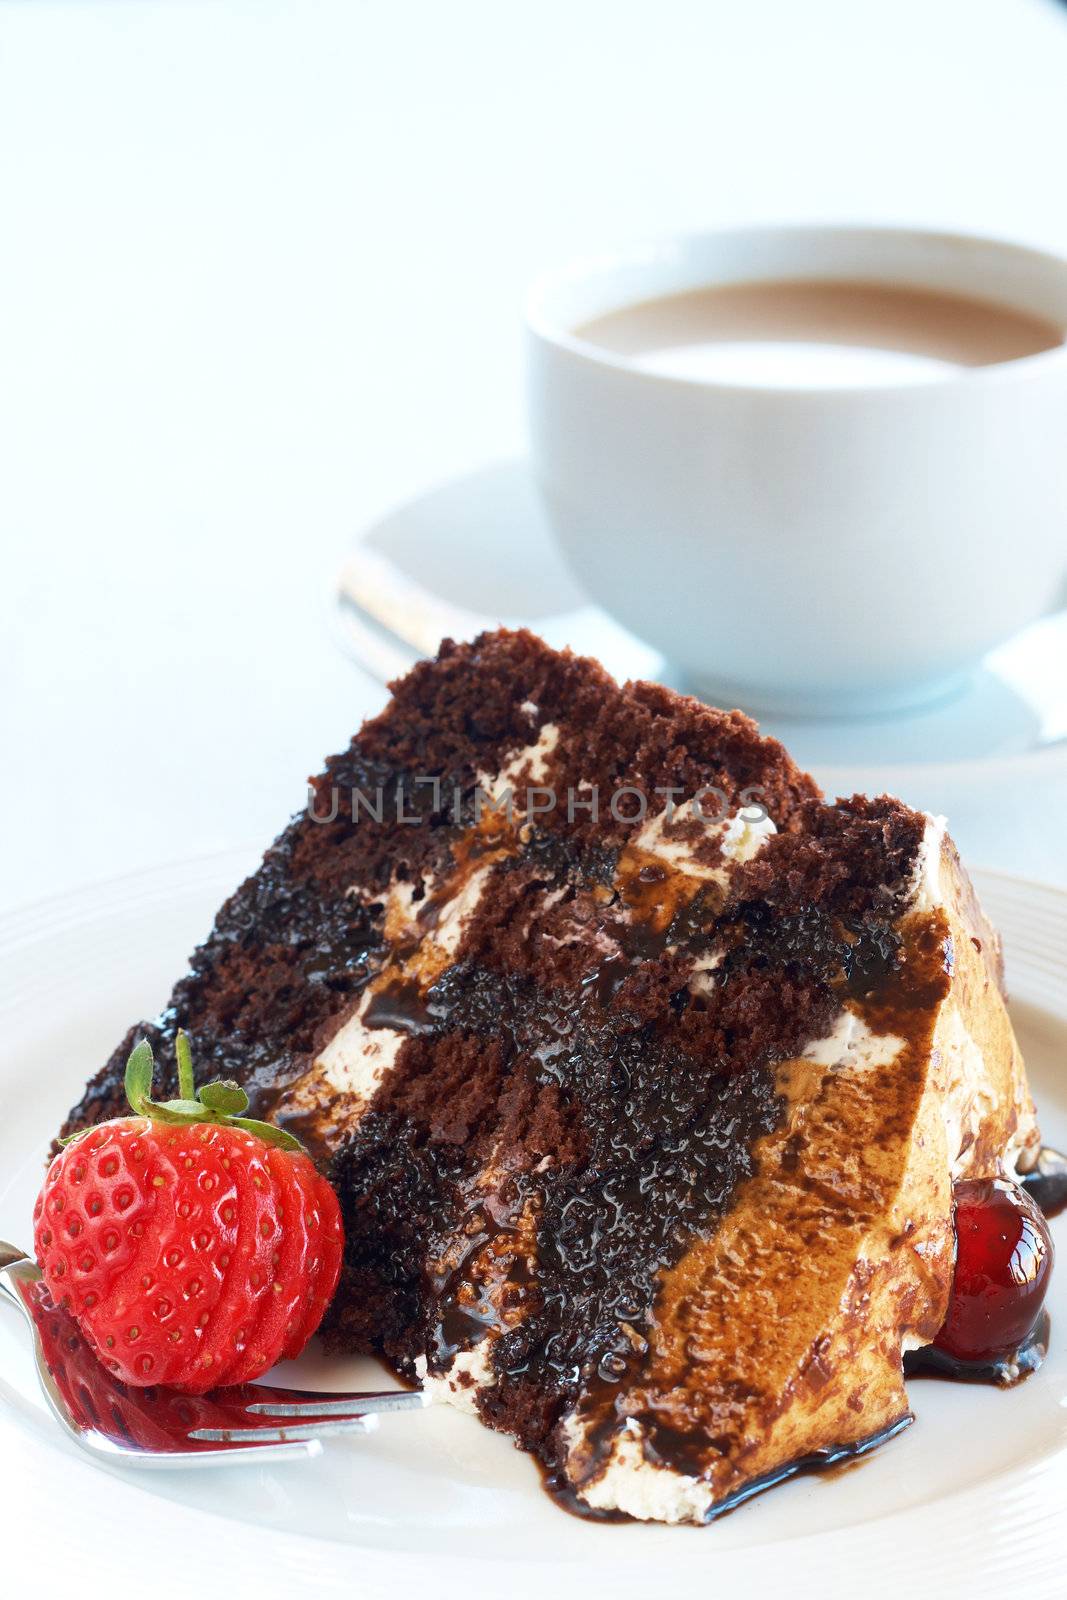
point(665, 1143)
point(617, 1108)
point(646, 1099)
point(834, 1459)
point(930, 1362)
point(1046, 1183)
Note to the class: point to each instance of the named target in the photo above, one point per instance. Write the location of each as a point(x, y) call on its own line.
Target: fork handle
point(11, 1259)
point(10, 1254)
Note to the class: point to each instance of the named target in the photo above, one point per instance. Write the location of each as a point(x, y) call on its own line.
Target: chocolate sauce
point(630, 1104)
point(930, 1362)
point(651, 1127)
point(400, 1006)
point(1046, 1183)
point(830, 1461)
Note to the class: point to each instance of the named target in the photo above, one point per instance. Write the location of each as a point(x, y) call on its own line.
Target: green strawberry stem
point(183, 1051)
point(219, 1101)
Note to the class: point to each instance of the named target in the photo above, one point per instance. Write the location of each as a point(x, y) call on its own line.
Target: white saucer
point(478, 552)
point(966, 1503)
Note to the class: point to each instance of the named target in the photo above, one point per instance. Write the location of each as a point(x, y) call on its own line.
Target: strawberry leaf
point(225, 1096)
point(139, 1069)
point(177, 1111)
point(219, 1102)
point(267, 1132)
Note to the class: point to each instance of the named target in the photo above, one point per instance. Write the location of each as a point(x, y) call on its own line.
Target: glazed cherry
point(1003, 1262)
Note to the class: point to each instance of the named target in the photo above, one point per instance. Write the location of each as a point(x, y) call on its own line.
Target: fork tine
point(155, 1427)
point(301, 1432)
point(332, 1405)
point(223, 1455)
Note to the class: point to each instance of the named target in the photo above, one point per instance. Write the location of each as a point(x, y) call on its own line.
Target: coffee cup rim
point(676, 256)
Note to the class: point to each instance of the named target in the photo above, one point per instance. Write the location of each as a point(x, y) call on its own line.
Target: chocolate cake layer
point(567, 986)
point(294, 945)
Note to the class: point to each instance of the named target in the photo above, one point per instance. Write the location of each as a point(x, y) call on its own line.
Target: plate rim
point(334, 1561)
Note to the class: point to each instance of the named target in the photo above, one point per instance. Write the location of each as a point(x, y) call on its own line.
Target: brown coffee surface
point(952, 328)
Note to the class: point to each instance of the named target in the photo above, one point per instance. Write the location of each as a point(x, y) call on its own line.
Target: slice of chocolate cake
point(643, 1073)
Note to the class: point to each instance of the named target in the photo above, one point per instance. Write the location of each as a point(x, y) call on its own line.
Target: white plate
point(970, 1497)
point(478, 551)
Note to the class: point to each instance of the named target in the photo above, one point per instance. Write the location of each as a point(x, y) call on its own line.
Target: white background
point(260, 271)
point(260, 274)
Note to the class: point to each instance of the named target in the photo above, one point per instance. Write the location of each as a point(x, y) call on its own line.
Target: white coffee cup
point(809, 550)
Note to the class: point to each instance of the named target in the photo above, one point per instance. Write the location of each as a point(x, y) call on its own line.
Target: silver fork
point(161, 1428)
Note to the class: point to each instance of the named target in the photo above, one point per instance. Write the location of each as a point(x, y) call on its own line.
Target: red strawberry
point(194, 1246)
